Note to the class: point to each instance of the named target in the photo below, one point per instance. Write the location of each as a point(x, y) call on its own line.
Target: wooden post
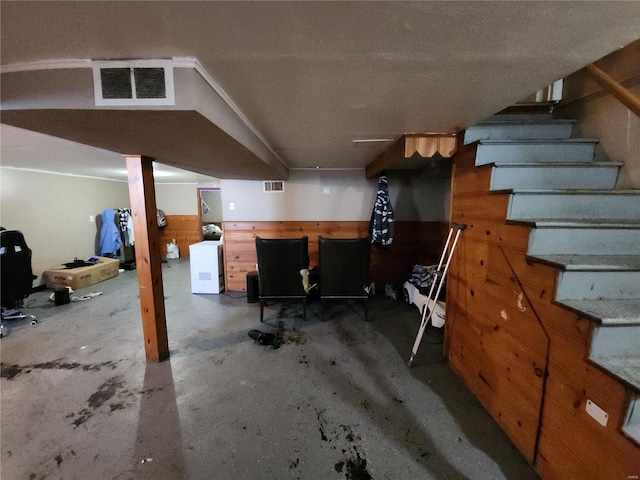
point(148, 260)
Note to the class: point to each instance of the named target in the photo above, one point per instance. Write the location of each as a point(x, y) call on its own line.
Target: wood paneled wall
point(186, 229)
point(505, 337)
point(414, 242)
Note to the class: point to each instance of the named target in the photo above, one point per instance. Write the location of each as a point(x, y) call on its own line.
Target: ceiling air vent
point(274, 186)
point(133, 82)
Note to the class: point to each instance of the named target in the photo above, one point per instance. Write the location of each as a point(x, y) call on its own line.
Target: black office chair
point(279, 265)
point(344, 269)
point(16, 276)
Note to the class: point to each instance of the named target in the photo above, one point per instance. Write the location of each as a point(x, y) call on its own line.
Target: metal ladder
point(445, 259)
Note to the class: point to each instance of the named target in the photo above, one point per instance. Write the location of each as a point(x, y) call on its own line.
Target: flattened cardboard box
point(81, 277)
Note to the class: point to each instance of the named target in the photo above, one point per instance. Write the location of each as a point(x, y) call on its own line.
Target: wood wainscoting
point(185, 229)
point(521, 354)
point(414, 243)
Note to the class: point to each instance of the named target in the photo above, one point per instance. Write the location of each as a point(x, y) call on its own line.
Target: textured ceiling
point(311, 77)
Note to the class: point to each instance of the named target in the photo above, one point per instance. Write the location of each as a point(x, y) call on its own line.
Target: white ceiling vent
point(133, 82)
point(274, 186)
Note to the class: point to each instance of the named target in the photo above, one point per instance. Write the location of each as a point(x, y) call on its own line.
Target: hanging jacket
point(382, 227)
point(110, 241)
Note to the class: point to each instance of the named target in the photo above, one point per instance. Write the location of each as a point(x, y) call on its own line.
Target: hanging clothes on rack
point(125, 222)
point(382, 227)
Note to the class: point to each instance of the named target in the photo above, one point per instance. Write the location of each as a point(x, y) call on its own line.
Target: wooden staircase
point(582, 226)
point(589, 234)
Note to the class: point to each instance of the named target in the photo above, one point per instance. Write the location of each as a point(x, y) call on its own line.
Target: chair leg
point(366, 309)
point(322, 305)
point(261, 309)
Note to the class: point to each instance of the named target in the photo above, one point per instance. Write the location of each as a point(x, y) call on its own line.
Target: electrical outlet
point(92, 218)
point(232, 206)
point(326, 190)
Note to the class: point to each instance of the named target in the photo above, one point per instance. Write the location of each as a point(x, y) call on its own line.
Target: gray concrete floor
point(335, 401)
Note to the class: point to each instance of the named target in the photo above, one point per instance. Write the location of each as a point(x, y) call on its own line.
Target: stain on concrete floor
point(11, 371)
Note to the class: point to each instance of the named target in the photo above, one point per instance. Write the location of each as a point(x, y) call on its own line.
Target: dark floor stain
point(83, 416)
point(11, 371)
point(58, 459)
point(294, 464)
point(56, 365)
point(107, 390)
point(293, 336)
point(339, 466)
point(356, 468)
point(148, 391)
point(396, 399)
point(99, 366)
point(322, 421)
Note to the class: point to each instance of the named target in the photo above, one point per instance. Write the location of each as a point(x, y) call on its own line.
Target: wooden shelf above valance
point(410, 151)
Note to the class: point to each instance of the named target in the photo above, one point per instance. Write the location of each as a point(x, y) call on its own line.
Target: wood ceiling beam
point(425, 145)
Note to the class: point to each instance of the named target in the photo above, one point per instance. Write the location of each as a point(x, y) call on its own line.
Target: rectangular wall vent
point(274, 186)
point(133, 82)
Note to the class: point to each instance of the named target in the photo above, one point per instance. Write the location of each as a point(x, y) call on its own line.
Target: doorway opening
point(210, 213)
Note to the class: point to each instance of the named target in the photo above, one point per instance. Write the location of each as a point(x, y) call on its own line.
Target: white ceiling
point(310, 76)
point(24, 149)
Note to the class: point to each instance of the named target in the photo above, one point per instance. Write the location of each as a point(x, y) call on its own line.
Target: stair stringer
point(569, 442)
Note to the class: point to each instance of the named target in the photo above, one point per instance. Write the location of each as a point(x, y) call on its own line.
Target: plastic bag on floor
point(173, 251)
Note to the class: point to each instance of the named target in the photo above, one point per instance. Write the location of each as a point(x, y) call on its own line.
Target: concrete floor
point(335, 401)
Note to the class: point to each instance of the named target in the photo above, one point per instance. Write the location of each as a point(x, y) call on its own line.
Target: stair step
point(566, 238)
point(626, 368)
point(521, 130)
point(593, 263)
point(596, 175)
point(616, 349)
point(598, 285)
point(556, 151)
point(520, 117)
point(632, 423)
point(574, 204)
point(607, 312)
point(615, 343)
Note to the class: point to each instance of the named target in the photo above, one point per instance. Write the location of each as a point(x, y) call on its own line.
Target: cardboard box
point(81, 277)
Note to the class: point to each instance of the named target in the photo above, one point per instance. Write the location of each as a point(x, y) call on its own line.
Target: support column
point(142, 195)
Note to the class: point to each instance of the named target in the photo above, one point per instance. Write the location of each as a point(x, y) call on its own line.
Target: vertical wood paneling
point(414, 243)
point(503, 328)
point(186, 229)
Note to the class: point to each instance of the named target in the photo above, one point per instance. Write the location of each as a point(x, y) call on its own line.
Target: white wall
point(52, 211)
point(618, 130)
point(351, 197)
point(180, 198)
